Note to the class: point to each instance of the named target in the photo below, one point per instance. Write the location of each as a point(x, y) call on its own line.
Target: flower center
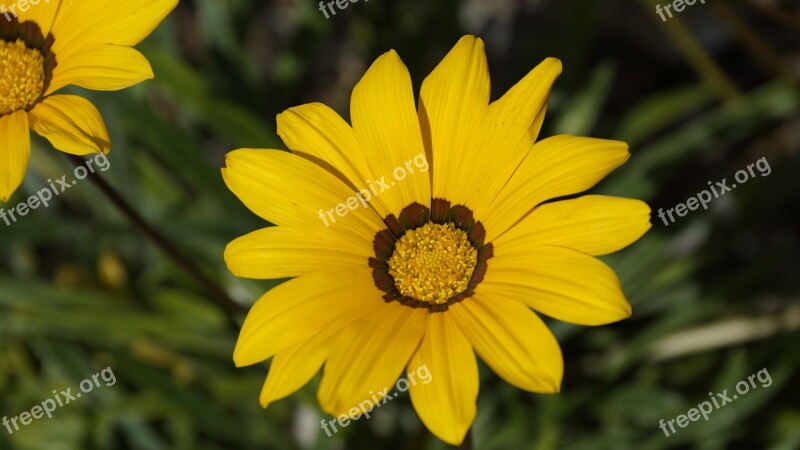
point(433, 263)
point(22, 76)
point(430, 257)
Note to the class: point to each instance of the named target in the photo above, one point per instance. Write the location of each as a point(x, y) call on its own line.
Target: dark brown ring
point(414, 216)
point(31, 35)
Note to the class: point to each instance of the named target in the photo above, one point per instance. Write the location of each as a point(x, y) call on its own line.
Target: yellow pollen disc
point(21, 76)
point(433, 263)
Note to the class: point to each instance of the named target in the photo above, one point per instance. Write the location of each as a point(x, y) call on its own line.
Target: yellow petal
point(86, 24)
point(446, 404)
point(504, 136)
point(538, 122)
point(105, 67)
point(319, 134)
point(72, 124)
point(293, 368)
point(281, 252)
point(555, 167)
point(522, 107)
point(260, 178)
point(302, 307)
point(43, 13)
point(452, 98)
point(387, 129)
point(559, 282)
point(512, 341)
point(593, 224)
point(369, 356)
point(15, 148)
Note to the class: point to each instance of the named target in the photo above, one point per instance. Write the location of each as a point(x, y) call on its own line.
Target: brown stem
point(161, 242)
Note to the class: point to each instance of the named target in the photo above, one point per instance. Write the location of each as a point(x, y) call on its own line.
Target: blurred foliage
point(715, 295)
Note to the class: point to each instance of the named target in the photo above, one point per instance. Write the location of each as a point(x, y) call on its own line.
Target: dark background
point(715, 295)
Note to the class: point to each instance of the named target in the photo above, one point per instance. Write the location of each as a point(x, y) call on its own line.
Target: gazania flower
point(55, 43)
point(444, 263)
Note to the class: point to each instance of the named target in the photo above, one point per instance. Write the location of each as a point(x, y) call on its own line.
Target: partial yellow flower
point(55, 43)
point(445, 263)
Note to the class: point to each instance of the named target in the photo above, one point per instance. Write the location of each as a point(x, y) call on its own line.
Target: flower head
point(55, 43)
point(403, 265)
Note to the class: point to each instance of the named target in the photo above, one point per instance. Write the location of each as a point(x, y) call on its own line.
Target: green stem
point(162, 242)
point(696, 56)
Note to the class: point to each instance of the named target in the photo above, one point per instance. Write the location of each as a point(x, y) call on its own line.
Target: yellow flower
point(55, 43)
point(445, 262)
